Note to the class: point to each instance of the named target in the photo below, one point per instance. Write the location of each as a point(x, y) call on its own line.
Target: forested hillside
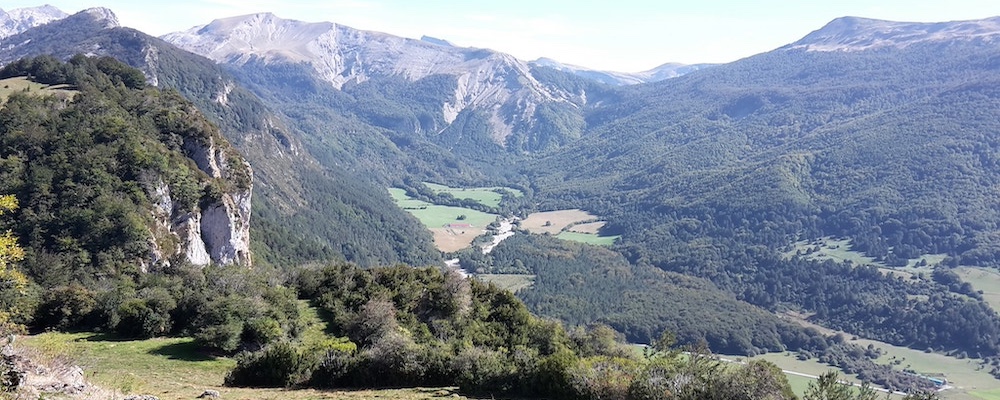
point(304, 211)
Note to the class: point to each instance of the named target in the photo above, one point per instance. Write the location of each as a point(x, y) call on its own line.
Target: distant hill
point(662, 72)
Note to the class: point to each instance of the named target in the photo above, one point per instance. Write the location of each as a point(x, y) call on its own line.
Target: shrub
point(279, 365)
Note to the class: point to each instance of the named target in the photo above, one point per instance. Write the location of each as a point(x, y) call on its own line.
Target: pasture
point(966, 375)
point(589, 238)
point(985, 279)
point(22, 84)
point(592, 228)
point(487, 196)
point(839, 250)
point(553, 222)
point(450, 232)
point(175, 368)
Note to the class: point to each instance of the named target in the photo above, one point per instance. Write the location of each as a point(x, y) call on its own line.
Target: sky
point(618, 35)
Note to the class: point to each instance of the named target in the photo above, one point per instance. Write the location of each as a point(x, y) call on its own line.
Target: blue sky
point(622, 35)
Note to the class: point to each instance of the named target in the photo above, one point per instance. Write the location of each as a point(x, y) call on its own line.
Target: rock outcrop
point(217, 230)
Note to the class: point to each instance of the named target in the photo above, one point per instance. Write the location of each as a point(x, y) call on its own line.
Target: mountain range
point(881, 133)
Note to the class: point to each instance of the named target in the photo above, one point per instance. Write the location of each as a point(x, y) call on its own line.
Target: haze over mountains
point(880, 133)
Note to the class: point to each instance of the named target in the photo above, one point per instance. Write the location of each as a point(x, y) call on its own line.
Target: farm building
point(458, 226)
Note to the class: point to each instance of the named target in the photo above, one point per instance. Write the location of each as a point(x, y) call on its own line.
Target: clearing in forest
point(22, 84)
point(576, 225)
point(454, 228)
point(487, 196)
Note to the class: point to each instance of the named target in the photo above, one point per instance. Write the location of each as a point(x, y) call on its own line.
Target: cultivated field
point(592, 228)
point(568, 225)
point(487, 196)
point(20, 84)
point(450, 232)
point(553, 222)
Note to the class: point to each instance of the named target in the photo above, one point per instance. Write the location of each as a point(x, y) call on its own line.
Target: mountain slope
point(497, 90)
point(718, 175)
point(21, 19)
point(662, 72)
point(304, 211)
point(859, 34)
point(119, 177)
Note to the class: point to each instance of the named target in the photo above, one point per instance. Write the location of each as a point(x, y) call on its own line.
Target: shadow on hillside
point(105, 337)
point(188, 351)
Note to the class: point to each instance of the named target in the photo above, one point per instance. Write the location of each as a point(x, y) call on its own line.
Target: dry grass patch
point(553, 222)
point(454, 239)
point(591, 227)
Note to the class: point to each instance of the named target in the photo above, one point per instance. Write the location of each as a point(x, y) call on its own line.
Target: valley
point(273, 200)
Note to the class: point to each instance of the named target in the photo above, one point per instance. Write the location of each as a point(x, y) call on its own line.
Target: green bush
point(278, 365)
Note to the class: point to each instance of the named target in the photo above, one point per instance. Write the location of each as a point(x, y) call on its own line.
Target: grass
point(839, 250)
point(20, 84)
point(435, 218)
point(487, 196)
point(512, 282)
point(590, 227)
point(964, 374)
point(176, 368)
point(984, 279)
point(588, 238)
point(553, 222)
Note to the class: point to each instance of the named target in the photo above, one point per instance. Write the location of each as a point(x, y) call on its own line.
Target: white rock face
point(21, 19)
point(487, 80)
point(218, 232)
point(859, 34)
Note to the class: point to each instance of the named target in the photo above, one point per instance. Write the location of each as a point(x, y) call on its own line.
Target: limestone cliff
point(217, 229)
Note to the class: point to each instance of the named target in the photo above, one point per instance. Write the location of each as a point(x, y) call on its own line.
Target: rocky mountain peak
point(103, 15)
point(858, 34)
point(487, 80)
point(21, 19)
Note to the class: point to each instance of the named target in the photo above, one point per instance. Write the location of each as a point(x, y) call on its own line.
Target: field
point(588, 238)
point(592, 228)
point(553, 222)
point(840, 250)
point(984, 279)
point(175, 368)
point(487, 196)
point(19, 84)
point(568, 225)
point(435, 218)
point(512, 282)
point(968, 379)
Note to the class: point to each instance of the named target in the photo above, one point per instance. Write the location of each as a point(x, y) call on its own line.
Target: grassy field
point(553, 222)
point(487, 196)
point(436, 218)
point(175, 368)
point(19, 84)
point(985, 279)
point(968, 379)
point(512, 282)
point(830, 248)
point(588, 238)
point(568, 225)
